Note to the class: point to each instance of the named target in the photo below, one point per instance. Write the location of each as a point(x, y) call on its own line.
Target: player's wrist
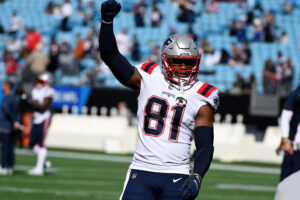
point(106, 21)
point(198, 177)
point(285, 141)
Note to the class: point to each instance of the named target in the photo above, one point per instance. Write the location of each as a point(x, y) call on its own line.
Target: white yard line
point(56, 181)
point(246, 187)
point(122, 159)
point(56, 192)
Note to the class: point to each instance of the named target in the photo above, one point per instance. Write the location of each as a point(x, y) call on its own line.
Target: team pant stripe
point(210, 91)
point(202, 88)
point(125, 183)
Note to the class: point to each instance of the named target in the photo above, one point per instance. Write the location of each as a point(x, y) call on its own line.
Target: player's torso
point(165, 128)
point(38, 95)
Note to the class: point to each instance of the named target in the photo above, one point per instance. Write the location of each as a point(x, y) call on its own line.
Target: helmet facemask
point(181, 68)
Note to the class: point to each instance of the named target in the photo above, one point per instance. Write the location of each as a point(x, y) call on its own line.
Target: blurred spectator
point(78, 54)
point(241, 86)
point(279, 65)
point(237, 58)
point(14, 46)
point(66, 11)
point(9, 121)
point(156, 16)
point(1, 29)
point(53, 56)
point(287, 76)
point(57, 10)
point(65, 56)
point(186, 13)
point(247, 53)
point(289, 4)
point(49, 8)
point(233, 28)
point(238, 85)
point(155, 56)
point(224, 56)
point(135, 51)
point(37, 61)
point(192, 34)
point(212, 6)
point(250, 85)
point(205, 46)
point(241, 29)
point(123, 42)
point(269, 79)
point(269, 27)
point(250, 16)
point(284, 38)
point(258, 30)
point(139, 11)
point(89, 13)
point(16, 24)
point(212, 59)
point(32, 39)
point(88, 45)
point(11, 66)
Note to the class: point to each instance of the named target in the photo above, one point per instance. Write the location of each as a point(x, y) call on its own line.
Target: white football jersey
point(165, 128)
point(38, 94)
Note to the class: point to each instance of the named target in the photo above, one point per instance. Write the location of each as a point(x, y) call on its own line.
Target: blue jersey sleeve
point(290, 102)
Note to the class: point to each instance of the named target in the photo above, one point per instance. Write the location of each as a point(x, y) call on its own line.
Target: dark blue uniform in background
point(9, 114)
point(291, 163)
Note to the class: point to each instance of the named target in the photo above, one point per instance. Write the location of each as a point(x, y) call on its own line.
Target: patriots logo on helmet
point(168, 41)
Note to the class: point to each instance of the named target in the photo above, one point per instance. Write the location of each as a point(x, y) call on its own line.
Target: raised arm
point(109, 52)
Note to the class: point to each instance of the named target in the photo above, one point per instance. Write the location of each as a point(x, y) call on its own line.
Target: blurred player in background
point(9, 121)
point(42, 95)
point(290, 130)
point(174, 108)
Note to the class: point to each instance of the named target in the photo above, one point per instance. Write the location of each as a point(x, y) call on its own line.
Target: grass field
point(89, 175)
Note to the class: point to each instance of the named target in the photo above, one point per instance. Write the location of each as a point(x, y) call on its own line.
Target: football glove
point(109, 9)
point(191, 187)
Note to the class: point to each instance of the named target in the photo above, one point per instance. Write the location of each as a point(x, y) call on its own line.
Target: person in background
point(135, 51)
point(124, 42)
point(42, 95)
point(9, 121)
point(66, 11)
point(16, 24)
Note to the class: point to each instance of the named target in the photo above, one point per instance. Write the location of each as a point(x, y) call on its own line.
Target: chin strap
point(181, 99)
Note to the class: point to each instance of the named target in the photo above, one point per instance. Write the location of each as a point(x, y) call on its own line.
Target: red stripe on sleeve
point(145, 64)
point(152, 68)
point(208, 93)
point(202, 88)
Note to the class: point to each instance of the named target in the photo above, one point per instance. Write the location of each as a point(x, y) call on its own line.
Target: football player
point(42, 95)
point(174, 108)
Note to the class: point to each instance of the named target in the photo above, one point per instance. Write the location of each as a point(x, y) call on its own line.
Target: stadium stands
point(213, 26)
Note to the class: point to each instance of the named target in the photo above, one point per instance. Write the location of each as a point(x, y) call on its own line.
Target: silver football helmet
point(180, 59)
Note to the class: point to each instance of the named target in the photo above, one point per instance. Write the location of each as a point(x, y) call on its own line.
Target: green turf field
point(91, 176)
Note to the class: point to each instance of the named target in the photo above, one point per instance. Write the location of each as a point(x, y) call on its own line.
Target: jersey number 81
point(156, 111)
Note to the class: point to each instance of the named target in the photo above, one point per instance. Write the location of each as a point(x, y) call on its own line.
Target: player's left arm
point(204, 137)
